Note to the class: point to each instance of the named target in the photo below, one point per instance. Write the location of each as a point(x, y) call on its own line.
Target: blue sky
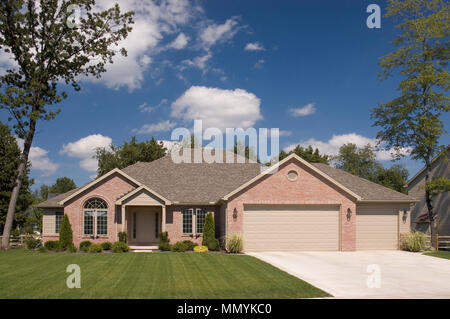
point(308, 68)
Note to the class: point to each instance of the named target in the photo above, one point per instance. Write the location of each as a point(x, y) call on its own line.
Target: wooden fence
point(441, 242)
point(18, 241)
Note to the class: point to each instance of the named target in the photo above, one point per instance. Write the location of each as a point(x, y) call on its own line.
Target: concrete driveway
point(347, 274)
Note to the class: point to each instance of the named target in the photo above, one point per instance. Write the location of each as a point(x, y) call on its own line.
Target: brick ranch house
point(293, 205)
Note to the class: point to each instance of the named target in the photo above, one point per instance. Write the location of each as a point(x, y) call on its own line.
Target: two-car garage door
point(291, 227)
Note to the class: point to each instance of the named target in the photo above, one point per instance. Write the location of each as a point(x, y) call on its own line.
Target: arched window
point(95, 215)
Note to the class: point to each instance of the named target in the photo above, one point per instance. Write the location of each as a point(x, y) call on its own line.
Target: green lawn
point(440, 254)
point(27, 274)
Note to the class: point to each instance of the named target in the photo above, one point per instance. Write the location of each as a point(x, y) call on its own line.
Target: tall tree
point(9, 162)
point(413, 119)
point(62, 185)
point(307, 153)
point(128, 154)
point(50, 47)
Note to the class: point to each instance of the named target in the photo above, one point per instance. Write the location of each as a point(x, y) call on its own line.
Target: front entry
point(144, 225)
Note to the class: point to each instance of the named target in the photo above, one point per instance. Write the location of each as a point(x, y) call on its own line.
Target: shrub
point(164, 241)
point(123, 237)
point(189, 244)
point(119, 247)
point(200, 249)
point(106, 245)
point(209, 233)
point(165, 247)
point(65, 233)
point(415, 241)
point(32, 243)
point(72, 249)
point(234, 244)
point(95, 248)
point(52, 245)
point(43, 249)
point(179, 247)
point(84, 245)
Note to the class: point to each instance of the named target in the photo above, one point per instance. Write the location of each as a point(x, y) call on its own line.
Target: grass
point(440, 254)
point(29, 274)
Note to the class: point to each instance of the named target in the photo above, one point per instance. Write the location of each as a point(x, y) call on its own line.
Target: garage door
point(376, 228)
point(291, 227)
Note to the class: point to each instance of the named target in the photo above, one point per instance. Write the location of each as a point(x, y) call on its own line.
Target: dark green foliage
point(43, 249)
point(120, 247)
point(123, 236)
point(65, 233)
point(189, 244)
point(209, 233)
point(84, 245)
point(71, 249)
point(164, 241)
point(95, 248)
point(9, 162)
point(106, 245)
point(128, 154)
point(62, 185)
point(52, 245)
point(179, 247)
point(32, 243)
point(307, 153)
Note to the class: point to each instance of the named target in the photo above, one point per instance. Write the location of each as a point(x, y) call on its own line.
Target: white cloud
point(168, 144)
point(6, 62)
point(285, 133)
point(163, 126)
point(259, 64)
point(84, 149)
point(217, 107)
point(255, 46)
point(331, 147)
point(180, 42)
point(198, 62)
point(145, 108)
point(308, 109)
point(39, 159)
point(219, 33)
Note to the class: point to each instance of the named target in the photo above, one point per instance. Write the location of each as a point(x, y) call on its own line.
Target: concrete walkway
point(349, 274)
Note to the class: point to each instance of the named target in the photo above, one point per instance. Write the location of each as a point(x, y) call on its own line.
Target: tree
point(62, 185)
point(50, 49)
point(128, 154)
point(362, 162)
point(65, 234)
point(9, 162)
point(413, 119)
point(307, 153)
point(242, 149)
point(209, 233)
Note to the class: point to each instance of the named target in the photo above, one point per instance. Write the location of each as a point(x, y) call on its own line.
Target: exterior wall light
point(349, 214)
point(234, 213)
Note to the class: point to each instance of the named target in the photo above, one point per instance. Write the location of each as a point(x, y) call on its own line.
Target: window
point(193, 220)
point(95, 216)
point(58, 220)
point(187, 220)
point(200, 215)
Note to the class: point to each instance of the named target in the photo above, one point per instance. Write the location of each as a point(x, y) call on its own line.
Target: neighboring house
point(293, 205)
point(416, 187)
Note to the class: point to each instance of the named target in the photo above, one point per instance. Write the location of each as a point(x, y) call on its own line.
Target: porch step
point(143, 249)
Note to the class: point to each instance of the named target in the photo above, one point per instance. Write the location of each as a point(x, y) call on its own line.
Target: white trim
point(400, 201)
point(137, 190)
point(116, 170)
point(302, 161)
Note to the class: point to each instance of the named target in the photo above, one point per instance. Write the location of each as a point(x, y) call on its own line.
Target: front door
point(144, 226)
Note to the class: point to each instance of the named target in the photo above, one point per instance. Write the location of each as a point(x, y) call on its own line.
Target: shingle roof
point(363, 187)
point(192, 182)
point(53, 202)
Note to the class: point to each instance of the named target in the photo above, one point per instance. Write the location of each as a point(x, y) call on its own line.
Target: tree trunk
point(21, 171)
point(428, 198)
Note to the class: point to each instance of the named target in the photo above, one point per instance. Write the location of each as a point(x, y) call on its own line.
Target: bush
point(32, 243)
point(84, 245)
point(200, 249)
point(106, 245)
point(43, 249)
point(119, 247)
point(72, 249)
point(52, 245)
point(165, 247)
point(179, 247)
point(123, 237)
point(65, 234)
point(415, 241)
point(209, 233)
point(234, 244)
point(164, 241)
point(95, 248)
point(189, 244)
